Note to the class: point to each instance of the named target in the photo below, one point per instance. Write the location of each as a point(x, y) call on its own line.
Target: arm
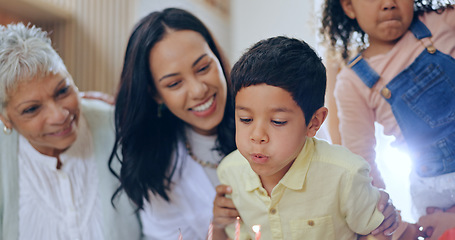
point(390, 223)
point(333, 67)
point(224, 212)
point(358, 200)
point(357, 123)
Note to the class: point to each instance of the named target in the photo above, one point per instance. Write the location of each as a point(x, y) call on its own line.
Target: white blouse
point(59, 203)
point(192, 195)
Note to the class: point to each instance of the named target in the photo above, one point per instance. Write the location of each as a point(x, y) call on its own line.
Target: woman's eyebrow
point(199, 59)
point(60, 83)
point(194, 64)
point(168, 75)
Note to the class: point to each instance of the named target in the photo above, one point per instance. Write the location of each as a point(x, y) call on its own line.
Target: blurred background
point(91, 37)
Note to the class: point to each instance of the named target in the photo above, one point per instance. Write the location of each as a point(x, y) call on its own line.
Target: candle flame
point(256, 228)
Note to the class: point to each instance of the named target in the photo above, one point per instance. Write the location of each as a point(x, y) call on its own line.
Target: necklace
point(203, 163)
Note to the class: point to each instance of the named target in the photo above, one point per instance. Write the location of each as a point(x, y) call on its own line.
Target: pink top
point(359, 106)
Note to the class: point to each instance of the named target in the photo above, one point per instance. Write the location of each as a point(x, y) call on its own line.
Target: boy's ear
point(316, 121)
point(347, 8)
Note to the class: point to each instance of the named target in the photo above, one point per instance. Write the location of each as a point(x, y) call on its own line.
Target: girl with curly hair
point(402, 77)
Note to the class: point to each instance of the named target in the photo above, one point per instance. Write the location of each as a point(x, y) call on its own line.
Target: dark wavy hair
point(287, 63)
point(337, 29)
point(147, 142)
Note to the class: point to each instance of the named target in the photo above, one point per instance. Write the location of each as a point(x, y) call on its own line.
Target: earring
point(7, 131)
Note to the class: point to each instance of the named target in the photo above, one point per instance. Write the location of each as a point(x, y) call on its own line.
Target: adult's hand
point(435, 224)
point(390, 223)
point(431, 210)
point(99, 96)
point(224, 212)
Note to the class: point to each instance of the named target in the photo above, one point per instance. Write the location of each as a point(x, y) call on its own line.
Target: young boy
point(282, 178)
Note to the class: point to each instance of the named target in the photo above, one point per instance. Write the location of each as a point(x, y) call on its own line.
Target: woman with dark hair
point(174, 123)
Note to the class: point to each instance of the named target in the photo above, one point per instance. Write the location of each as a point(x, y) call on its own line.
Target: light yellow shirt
point(326, 194)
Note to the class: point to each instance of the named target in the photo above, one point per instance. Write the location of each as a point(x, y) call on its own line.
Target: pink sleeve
point(356, 119)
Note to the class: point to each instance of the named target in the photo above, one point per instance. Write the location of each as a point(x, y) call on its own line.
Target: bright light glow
point(256, 228)
point(395, 167)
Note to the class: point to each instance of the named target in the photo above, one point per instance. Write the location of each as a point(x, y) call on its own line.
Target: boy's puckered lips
point(259, 158)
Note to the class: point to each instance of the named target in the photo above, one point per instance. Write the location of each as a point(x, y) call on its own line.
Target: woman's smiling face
point(189, 80)
point(46, 112)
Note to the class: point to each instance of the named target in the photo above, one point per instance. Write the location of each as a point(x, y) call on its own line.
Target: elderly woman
point(54, 178)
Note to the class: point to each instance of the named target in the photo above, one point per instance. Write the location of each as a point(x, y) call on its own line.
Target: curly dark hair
point(337, 29)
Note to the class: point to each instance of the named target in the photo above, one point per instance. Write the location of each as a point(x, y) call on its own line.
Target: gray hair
point(26, 53)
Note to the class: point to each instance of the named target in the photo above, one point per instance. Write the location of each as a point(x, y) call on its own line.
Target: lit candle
point(210, 234)
point(237, 229)
point(180, 235)
point(257, 230)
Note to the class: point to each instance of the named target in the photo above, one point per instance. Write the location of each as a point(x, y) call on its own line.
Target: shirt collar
point(295, 177)
point(253, 181)
point(29, 152)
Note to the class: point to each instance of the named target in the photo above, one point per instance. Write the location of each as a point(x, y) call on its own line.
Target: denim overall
point(422, 98)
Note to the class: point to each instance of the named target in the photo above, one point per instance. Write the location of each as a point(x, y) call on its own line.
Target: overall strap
point(419, 29)
point(422, 33)
point(367, 74)
point(364, 71)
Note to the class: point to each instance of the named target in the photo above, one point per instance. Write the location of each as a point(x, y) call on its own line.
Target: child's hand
point(390, 223)
point(224, 211)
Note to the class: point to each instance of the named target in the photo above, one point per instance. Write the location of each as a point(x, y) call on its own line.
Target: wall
point(89, 35)
point(253, 20)
point(6, 17)
point(94, 41)
point(247, 21)
point(217, 22)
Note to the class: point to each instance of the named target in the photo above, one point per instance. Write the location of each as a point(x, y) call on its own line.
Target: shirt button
point(310, 222)
point(386, 93)
point(272, 211)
